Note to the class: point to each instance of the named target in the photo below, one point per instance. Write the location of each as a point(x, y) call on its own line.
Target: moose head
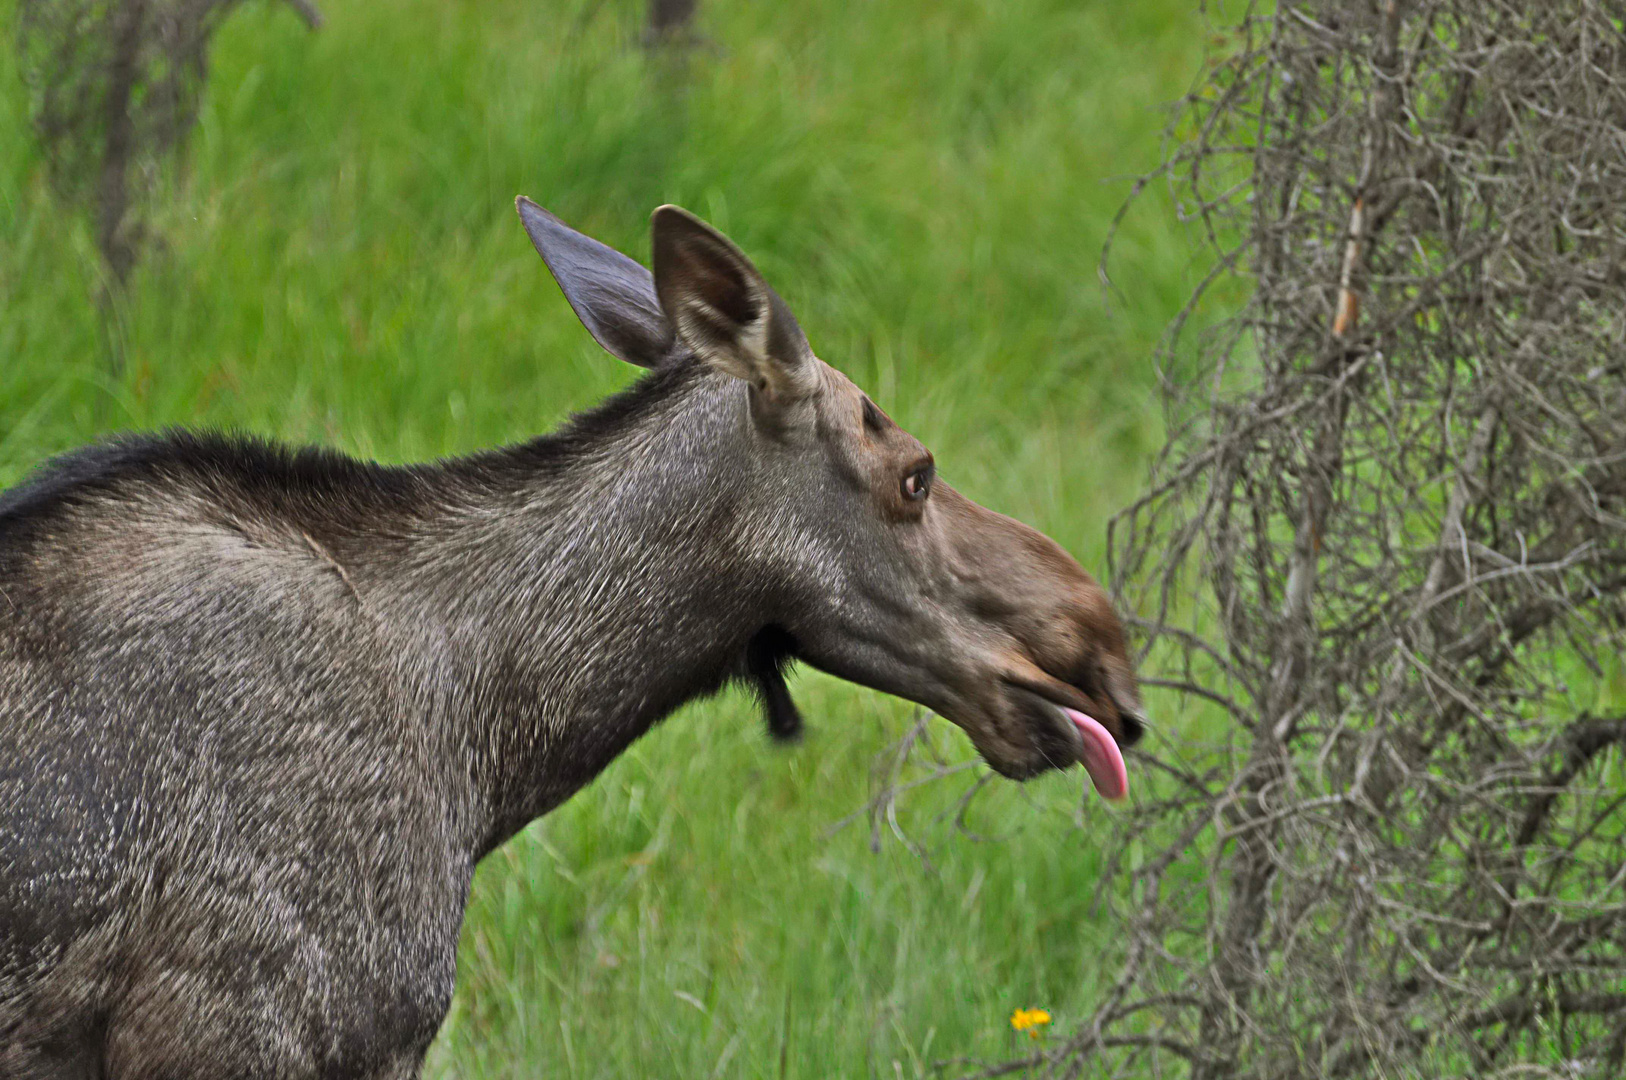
point(881, 573)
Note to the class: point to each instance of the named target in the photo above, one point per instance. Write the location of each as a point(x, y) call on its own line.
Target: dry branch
point(114, 88)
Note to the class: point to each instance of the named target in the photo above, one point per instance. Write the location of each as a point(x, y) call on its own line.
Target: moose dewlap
point(264, 709)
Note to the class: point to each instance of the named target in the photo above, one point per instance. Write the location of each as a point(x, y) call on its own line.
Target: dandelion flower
point(1030, 1021)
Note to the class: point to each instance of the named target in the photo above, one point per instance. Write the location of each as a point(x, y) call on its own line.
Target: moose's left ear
point(611, 294)
point(723, 309)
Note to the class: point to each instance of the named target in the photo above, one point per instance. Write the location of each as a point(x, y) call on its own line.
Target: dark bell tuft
point(767, 657)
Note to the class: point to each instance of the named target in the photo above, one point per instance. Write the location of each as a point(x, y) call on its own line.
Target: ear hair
point(767, 655)
point(724, 311)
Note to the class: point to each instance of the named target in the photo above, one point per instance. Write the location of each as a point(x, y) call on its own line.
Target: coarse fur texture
point(155, 586)
point(264, 709)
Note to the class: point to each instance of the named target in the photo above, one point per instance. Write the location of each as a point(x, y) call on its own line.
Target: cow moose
point(263, 710)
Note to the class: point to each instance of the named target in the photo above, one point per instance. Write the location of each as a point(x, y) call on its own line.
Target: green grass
point(928, 184)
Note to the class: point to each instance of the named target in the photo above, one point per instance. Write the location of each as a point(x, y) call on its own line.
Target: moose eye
point(918, 484)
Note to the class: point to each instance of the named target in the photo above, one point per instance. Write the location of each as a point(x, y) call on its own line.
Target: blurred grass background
point(928, 184)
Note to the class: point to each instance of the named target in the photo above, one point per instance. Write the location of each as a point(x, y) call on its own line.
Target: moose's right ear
point(611, 294)
point(726, 313)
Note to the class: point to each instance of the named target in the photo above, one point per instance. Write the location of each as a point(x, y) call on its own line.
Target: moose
point(263, 710)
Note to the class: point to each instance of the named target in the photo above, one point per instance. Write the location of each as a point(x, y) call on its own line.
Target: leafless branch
point(114, 87)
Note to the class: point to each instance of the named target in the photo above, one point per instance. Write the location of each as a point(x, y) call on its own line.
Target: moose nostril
point(1134, 727)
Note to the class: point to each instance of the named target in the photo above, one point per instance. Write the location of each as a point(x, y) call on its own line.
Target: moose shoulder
point(262, 711)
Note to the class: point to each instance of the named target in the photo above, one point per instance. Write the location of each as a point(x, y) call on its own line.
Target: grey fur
point(261, 712)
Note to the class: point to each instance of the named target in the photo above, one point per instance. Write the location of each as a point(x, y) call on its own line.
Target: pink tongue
point(1102, 758)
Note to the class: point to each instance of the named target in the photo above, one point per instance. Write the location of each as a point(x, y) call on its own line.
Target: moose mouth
point(1088, 740)
point(1061, 733)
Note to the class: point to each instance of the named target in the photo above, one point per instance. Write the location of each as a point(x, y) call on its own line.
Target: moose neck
point(569, 593)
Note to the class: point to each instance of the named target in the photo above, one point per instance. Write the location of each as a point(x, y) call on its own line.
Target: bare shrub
point(1385, 551)
point(114, 88)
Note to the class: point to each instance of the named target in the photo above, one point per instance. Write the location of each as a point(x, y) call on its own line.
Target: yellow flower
point(1029, 1020)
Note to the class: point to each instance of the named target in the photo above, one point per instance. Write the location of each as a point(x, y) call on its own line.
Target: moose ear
point(725, 312)
point(611, 294)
